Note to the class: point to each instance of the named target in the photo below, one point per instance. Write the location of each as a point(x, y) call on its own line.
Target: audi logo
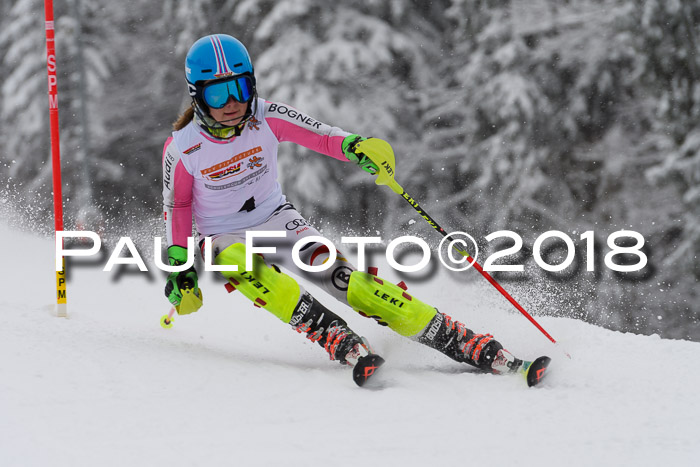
point(296, 223)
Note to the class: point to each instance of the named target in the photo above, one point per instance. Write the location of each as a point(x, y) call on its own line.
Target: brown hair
point(184, 119)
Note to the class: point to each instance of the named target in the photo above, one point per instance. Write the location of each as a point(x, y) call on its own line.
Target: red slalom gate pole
point(61, 302)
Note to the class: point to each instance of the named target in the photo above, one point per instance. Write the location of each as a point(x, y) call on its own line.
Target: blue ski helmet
point(217, 68)
point(216, 56)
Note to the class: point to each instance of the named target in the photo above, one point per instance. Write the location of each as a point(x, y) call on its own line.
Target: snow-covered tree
point(82, 35)
point(528, 115)
point(357, 65)
point(82, 67)
point(25, 155)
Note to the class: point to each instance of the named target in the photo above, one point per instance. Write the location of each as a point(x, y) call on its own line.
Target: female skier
point(220, 165)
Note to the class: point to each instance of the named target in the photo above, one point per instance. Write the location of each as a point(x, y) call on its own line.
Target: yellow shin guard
point(388, 303)
point(266, 286)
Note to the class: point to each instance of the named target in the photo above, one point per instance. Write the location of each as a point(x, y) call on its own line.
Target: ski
point(535, 371)
point(365, 368)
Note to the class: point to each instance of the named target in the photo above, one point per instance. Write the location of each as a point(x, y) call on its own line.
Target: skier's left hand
point(360, 158)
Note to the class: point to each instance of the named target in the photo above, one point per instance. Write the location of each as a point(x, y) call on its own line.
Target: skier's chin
point(231, 121)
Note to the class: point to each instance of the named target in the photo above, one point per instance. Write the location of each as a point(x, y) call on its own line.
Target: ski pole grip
point(381, 153)
point(393, 184)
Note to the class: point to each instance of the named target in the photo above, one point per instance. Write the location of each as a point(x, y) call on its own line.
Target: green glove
point(186, 279)
point(365, 163)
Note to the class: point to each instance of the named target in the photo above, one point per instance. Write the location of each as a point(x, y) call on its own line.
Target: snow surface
point(231, 385)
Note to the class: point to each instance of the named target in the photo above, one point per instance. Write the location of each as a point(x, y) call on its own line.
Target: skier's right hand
point(180, 280)
point(186, 279)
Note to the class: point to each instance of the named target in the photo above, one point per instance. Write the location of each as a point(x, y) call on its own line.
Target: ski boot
point(333, 334)
point(453, 339)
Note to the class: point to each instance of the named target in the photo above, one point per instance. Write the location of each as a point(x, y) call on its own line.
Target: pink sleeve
point(177, 196)
point(182, 206)
point(288, 124)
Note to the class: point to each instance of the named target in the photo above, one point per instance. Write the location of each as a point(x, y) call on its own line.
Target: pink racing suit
point(231, 185)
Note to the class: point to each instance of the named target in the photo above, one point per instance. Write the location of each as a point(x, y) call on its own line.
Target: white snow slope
point(231, 385)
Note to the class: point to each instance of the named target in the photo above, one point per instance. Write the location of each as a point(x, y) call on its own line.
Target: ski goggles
point(217, 94)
